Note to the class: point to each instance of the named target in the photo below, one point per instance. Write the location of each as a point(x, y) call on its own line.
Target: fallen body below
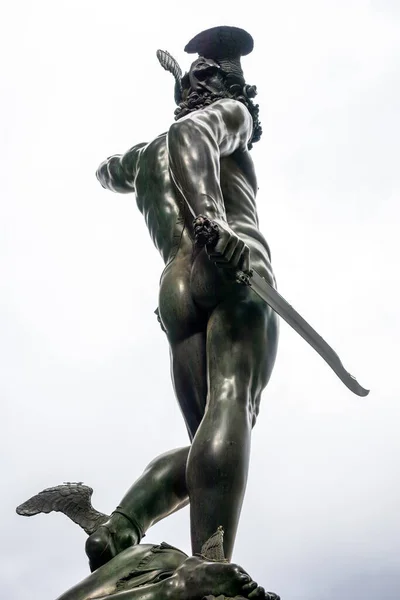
point(162, 572)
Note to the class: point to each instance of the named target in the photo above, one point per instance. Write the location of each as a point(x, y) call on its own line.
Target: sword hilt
point(206, 232)
point(244, 277)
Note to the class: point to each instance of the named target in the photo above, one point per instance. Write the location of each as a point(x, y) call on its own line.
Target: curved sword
point(269, 294)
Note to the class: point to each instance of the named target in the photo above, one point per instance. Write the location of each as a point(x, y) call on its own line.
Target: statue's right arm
point(196, 143)
point(118, 172)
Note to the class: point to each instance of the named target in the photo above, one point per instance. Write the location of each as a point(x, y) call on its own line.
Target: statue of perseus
point(196, 188)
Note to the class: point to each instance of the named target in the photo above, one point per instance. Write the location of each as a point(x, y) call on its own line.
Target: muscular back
point(145, 170)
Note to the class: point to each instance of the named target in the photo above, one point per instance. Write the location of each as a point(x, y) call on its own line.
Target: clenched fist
point(222, 244)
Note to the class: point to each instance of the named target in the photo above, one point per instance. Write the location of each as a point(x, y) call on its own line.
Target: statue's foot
point(252, 590)
point(111, 538)
point(197, 578)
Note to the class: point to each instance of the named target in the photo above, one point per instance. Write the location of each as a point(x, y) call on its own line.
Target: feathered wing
point(72, 499)
point(171, 65)
point(213, 548)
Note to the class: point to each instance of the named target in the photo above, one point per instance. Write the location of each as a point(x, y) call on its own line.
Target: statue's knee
point(98, 545)
point(127, 537)
point(233, 396)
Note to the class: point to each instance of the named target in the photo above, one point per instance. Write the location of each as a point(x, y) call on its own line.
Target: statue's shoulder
point(152, 161)
point(232, 115)
point(156, 145)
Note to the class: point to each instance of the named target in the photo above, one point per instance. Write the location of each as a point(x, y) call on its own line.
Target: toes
point(249, 587)
point(258, 592)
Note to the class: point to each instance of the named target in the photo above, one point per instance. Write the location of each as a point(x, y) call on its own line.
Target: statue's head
point(215, 74)
point(204, 74)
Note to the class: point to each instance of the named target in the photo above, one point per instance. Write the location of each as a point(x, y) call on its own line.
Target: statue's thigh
point(242, 339)
point(185, 325)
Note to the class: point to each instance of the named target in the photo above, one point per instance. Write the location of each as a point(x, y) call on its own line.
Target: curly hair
point(234, 88)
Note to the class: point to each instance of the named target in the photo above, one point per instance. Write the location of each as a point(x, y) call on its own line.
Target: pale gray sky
point(84, 365)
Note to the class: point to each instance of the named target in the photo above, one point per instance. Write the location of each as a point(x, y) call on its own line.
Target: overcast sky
point(84, 364)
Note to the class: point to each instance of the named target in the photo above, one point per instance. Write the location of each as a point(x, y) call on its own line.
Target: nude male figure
point(195, 179)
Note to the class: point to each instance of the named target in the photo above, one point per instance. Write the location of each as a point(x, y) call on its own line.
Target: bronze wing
point(171, 65)
point(72, 499)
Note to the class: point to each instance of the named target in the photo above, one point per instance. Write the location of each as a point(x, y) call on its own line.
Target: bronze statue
point(196, 188)
point(194, 180)
point(145, 571)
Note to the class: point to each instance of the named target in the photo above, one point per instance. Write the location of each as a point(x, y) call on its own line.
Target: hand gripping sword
point(269, 294)
point(207, 234)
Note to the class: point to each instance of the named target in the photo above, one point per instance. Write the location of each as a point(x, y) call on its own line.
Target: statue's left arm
point(118, 172)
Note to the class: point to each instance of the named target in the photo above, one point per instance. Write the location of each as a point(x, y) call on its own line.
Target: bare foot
point(109, 540)
point(198, 577)
point(252, 590)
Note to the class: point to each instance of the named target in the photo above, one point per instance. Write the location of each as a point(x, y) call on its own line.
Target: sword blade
point(285, 310)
